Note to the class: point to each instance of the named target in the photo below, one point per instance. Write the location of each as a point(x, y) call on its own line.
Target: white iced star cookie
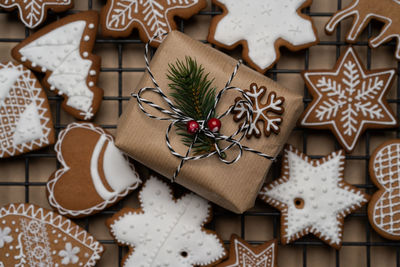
point(166, 232)
point(313, 197)
point(261, 27)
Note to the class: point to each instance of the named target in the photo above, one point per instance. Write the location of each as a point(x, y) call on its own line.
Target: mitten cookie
point(25, 118)
point(363, 11)
point(33, 236)
point(152, 18)
point(313, 197)
point(242, 254)
point(62, 50)
point(94, 173)
point(166, 232)
point(34, 12)
point(384, 207)
point(348, 99)
point(261, 27)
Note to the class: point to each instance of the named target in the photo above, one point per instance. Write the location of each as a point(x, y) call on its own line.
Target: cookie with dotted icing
point(33, 236)
point(363, 11)
point(262, 27)
point(349, 99)
point(242, 254)
point(153, 18)
point(94, 173)
point(165, 231)
point(384, 207)
point(313, 197)
point(25, 117)
point(63, 51)
point(33, 12)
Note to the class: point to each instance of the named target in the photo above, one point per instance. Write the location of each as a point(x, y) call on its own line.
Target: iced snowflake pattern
point(348, 100)
point(261, 112)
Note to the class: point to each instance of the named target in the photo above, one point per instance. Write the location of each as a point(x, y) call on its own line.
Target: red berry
point(192, 127)
point(214, 125)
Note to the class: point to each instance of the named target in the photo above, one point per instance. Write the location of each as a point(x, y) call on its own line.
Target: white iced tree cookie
point(166, 232)
point(262, 26)
point(313, 197)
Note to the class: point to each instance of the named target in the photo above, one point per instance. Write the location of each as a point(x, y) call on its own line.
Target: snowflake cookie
point(349, 99)
point(261, 112)
point(153, 18)
point(34, 12)
point(384, 207)
point(313, 197)
point(166, 232)
point(261, 27)
point(363, 11)
point(62, 50)
point(242, 254)
point(94, 173)
point(33, 236)
point(25, 117)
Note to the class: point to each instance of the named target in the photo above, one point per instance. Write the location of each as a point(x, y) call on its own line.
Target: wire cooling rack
point(304, 247)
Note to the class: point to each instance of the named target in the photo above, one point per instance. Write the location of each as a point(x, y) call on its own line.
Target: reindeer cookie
point(363, 11)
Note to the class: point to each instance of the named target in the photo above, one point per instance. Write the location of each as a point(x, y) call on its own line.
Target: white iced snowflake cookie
point(166, 232)
point(313, 197)
point(261, 27)
point(63, 51)
point(33, 236)
point(33, 12)
point(25, 117)
point(348, 99)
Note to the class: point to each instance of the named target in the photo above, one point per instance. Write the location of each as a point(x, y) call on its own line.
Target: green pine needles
point(194, 95)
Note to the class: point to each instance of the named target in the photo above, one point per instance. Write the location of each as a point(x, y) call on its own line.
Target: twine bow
point(176, 116)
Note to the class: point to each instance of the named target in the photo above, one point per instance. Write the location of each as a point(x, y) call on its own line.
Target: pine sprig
point(194, 95)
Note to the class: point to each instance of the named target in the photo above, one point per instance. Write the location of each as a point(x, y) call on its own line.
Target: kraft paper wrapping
point(234, 186)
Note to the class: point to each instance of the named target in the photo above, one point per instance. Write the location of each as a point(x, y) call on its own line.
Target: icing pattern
point(385, 206)
point(348, 99)
point(25, 122)
point(166, 232)
point(43, 238)
point(262, 112)
point(262, 24)
point(153, 17)
point(386, 11)
point(313, 197)
point(33, 12)
point(120, 175)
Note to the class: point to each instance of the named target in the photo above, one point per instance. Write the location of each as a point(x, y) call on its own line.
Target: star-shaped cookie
point(348, 99)
point(242, 254)
point(313, 197)
point(151, 17)
point(261, 27)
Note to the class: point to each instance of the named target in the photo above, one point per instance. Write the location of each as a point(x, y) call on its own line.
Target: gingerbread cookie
point(261, 112)
point(363, 11)
point(33, 236)
point(152, 18)
point(384, 207)
point(313, 197)
point(25, 118)
point(348, 99)
point(34, 12)
point(242, 254)
point(94, 173)
point(62, 50)
point(166, 232)
point(262, 27)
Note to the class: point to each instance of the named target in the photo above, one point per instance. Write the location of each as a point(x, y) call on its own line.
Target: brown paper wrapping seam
point(233, 187)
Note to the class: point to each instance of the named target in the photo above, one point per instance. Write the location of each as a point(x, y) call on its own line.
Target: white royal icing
point(166, 229)
point(8, 77)
point(246, 257)
point(29, 126)
point(261, 23)
point(58, 51)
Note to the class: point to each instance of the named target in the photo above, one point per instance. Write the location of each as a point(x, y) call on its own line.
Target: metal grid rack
point(303, 244)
